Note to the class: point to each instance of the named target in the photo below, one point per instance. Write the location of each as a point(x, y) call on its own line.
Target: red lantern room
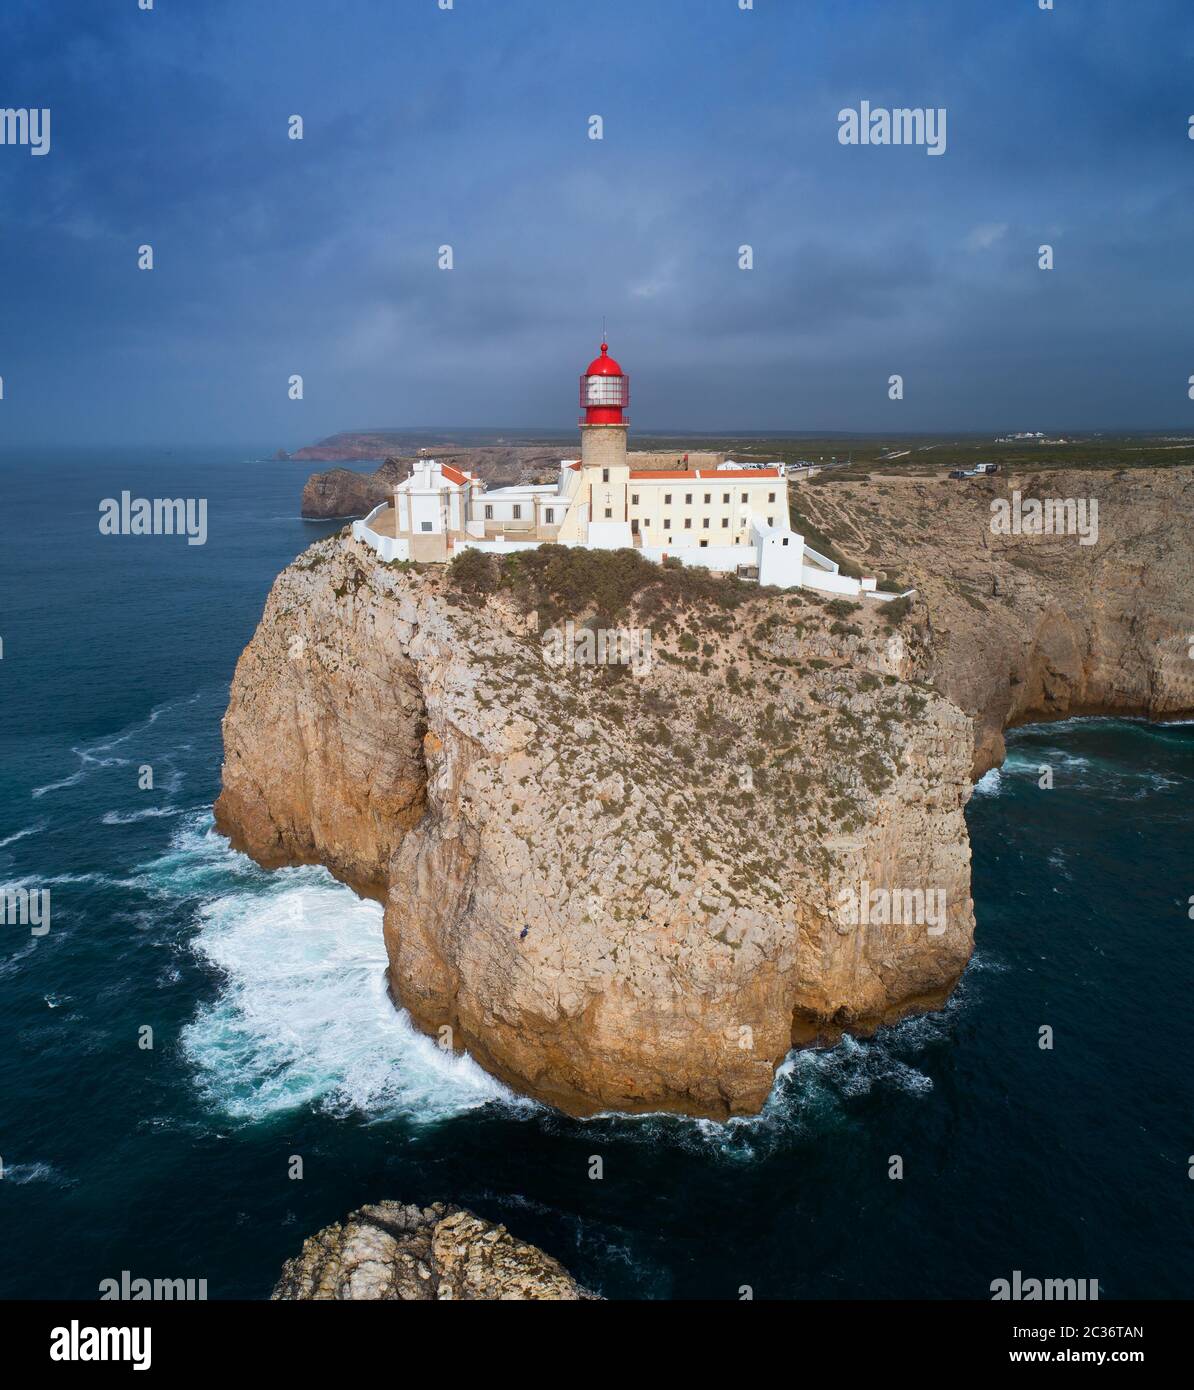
point(604, 391)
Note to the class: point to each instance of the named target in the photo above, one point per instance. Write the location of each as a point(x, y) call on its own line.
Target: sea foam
point(302, 1017)
point(990, 783)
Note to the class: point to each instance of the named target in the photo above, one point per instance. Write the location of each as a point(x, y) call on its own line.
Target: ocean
point(272, 1037)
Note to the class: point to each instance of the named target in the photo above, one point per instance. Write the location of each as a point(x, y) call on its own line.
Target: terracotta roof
point(454, 475)
point(704, 475)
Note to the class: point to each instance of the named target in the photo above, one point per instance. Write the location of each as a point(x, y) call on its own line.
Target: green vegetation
point(356, 580)
point(563, 581)
point(896, 611)
point(474, 574)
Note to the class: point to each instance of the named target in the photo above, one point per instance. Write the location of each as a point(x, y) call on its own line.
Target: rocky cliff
point(393, 1251)
point(1036, 627)
point(615, 889)
point(342, 492)
point(631, 889)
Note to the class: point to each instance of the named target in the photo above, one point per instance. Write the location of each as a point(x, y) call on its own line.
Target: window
point(745, 497)
point(770, 521)
point(725, 496)
point(688, 499)
point(667, 499)
point(771, 497)
point(605, 475)
point(489, 511)
point(634, 499)
point(704, 542)
point(667, 525)
point(705, 524)
point(517, 511)
point(425, 526)
point(549, 515)
point(634, 526)
point(785, 540)
point(609, 511)
point(708, 498)
point(725, 521)
point(688, 523)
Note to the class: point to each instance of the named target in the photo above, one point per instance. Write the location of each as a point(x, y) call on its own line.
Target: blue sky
point(470, 128)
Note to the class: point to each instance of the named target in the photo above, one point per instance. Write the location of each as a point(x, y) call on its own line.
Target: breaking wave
point(990, 783)
point(816, 1090)
point(302, 1018)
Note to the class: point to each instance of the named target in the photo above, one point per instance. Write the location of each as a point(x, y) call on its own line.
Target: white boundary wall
point(723, 558)
point(501, 546)
point(388, 547)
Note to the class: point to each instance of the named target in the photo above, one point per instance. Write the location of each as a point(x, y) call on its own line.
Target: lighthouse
point(604, 398)
point(603, 517)
point(723, 518)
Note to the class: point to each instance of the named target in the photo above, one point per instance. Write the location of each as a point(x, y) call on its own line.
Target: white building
point(729, 518)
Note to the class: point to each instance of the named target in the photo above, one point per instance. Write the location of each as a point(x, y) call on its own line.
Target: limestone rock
point(342, 492)
point(1028, 628)
point(390, 1250)
point(615, 890)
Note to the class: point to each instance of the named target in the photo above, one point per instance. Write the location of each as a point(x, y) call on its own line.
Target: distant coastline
point(850, 455)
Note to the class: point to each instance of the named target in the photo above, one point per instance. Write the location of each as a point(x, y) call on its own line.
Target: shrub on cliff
point(564, 580)
point(474, 573)
point(896, 611)
point(571, 579)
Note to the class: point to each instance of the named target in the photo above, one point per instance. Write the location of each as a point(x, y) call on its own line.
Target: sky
point(470, 127)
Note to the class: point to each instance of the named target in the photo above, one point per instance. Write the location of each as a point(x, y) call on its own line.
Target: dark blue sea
point(272, 1035)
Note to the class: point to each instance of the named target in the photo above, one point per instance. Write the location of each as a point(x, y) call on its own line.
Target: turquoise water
point(273, 1037)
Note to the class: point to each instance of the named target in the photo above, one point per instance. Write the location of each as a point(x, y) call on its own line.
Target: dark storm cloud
point(425, 128)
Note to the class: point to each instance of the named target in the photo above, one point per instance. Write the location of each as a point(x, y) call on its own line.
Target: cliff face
point(1036, 627)
point(615, 890)
point(341, 492)
point(631, 891)
point(412, 1254)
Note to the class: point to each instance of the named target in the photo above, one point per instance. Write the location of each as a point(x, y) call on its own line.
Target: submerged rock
point(393, 1251)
